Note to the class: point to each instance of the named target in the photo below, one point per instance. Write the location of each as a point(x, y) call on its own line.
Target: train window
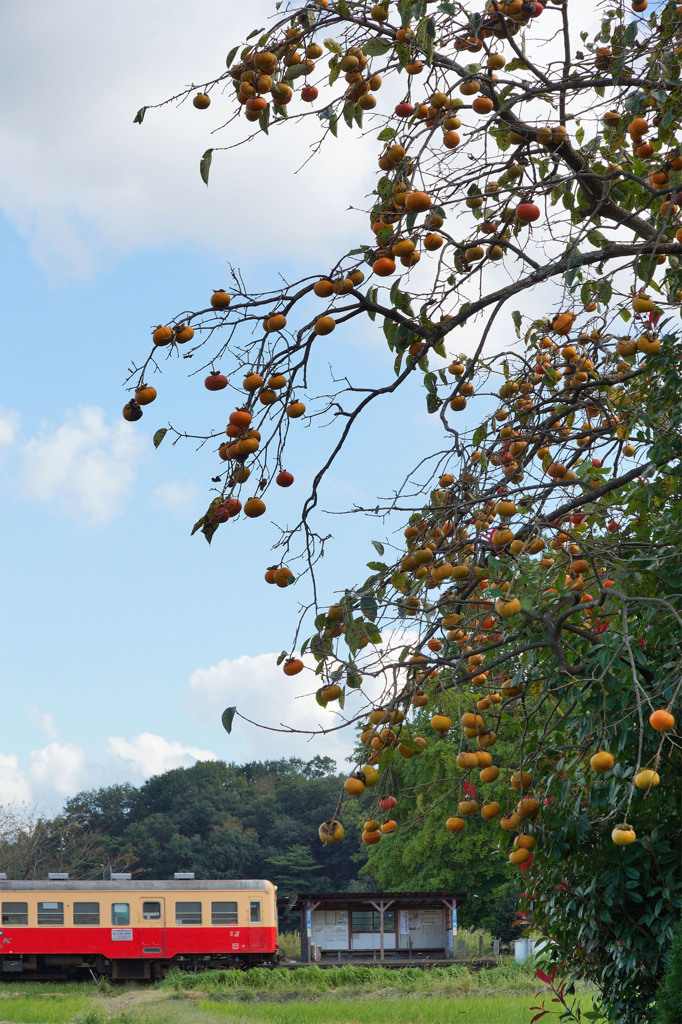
point(120, 913)
point(151, 910)
point(15, 913)
point(50, 913)
point(254, 911)
point(188, 913)
point(224, 913)
point(86, 913)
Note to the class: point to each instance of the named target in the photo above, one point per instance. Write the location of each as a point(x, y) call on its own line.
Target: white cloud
point(264, 695)
point(83, 183)
point(59, 767)
point(58, 771)
point(9, 426)
point(175, 495)
point(84, 465)
point(44, 720)
point(14, 786)
point(148, 754)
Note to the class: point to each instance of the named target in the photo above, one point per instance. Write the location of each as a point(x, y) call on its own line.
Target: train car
point(135, 929)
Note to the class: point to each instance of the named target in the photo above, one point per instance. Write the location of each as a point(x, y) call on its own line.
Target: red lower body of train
point(147, 954)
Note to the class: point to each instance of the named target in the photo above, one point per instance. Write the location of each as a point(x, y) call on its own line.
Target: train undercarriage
point(73, 966)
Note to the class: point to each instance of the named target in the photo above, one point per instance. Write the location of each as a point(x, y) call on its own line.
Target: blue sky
point(123, 637)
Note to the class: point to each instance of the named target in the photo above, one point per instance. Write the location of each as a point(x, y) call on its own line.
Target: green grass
point(311, 995)
point(34, 1008)
point(500, 1009)
point(405, 1010)
point(454, 980)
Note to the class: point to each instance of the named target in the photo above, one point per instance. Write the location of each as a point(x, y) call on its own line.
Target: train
point(130, 929)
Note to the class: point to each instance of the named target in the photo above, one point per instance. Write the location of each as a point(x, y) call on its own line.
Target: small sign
point(309, 922)
point(121, 934)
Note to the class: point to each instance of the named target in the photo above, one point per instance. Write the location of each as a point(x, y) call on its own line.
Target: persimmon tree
point(528, 155)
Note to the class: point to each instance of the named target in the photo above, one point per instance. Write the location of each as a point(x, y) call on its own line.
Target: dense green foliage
point(669, 994)
point(216, 819)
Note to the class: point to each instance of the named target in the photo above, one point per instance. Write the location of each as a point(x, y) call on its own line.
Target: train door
point(255, 924)
point(153, 929)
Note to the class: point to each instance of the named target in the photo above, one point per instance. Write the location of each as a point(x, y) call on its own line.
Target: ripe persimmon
point(184, 333)
point(602, 761)
point(324, 325)
point(330, 831)
point(162, 335)
point(220, 299)
point(132, 411)
point(647, 778)
point(145, 394)
point(295, 410)
point(623, 835)
point(240, 418)
point(254, 507)
point(215, 381)
point(527, 212)
point(455, 824)
point(292, 666)
point(417, 202)
point(661, 720)
point(563, 323)
point(383, 267)
point(201, 101)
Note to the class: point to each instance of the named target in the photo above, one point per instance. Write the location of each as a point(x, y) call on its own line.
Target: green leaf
point(334, 72)
point(353, 681)
point(227, 718)
point(479, 435)
point(296, 70)
point(369, 606)
point(379, 547)
point(231, 55)
point(333, 125)
point(630, 35)
point(197, 526)
point(516, 317)
point(433, 403)
point(375, 47)
point(139, 116)
point(333, 46)
point(159, 436)
point(282, 657)
point(377, 566)
point(384, 136)
point(264, 119)
point(430, 383)
point(205, 165)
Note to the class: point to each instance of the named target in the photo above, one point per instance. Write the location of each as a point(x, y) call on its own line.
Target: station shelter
point(350, 926)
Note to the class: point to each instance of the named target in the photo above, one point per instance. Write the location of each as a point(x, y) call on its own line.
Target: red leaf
point(538, 1015)
point(547, 978)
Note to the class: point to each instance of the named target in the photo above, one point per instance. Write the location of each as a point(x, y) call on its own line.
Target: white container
point(523, 948)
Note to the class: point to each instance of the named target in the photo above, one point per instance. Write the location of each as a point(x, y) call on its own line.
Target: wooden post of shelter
point(381, 906)
point(306, 930)
point(452, 907)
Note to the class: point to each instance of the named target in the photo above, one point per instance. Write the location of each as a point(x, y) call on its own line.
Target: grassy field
point(344, 995)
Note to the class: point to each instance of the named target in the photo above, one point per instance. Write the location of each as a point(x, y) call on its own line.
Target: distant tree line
point(242, 821)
